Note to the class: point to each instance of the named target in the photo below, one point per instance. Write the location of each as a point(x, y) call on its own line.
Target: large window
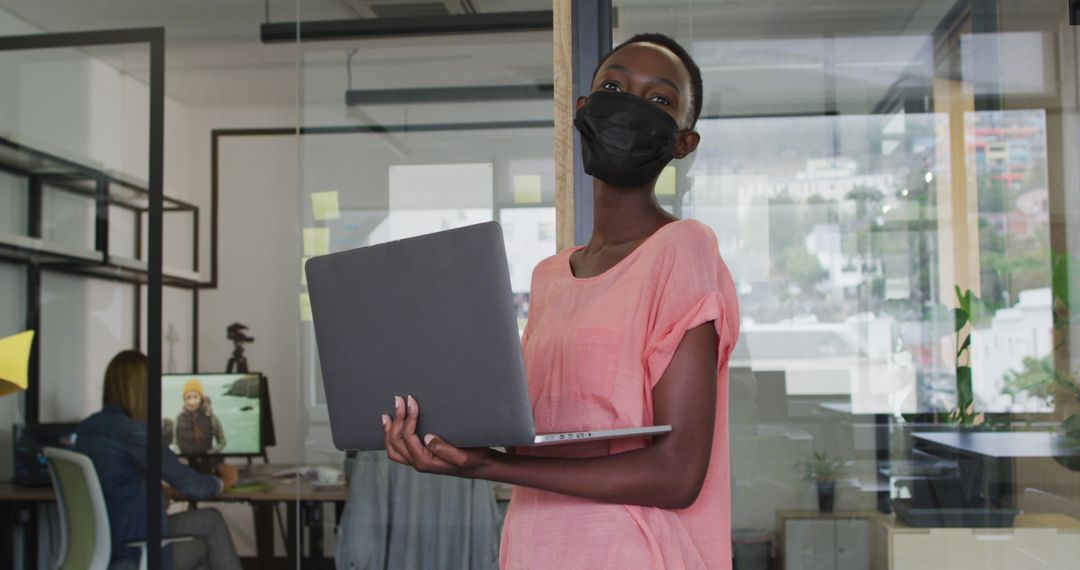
point(890, 191)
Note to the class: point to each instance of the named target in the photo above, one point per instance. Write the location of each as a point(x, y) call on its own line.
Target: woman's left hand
point(433, 455)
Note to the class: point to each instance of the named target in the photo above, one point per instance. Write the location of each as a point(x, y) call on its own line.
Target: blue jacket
point(116, 443)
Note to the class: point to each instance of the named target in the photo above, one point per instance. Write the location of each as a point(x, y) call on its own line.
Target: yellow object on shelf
point(14, 361)
point(324, 206)
point(527, 189)
point(316, 241)
point(665, 185)
point(305, 307)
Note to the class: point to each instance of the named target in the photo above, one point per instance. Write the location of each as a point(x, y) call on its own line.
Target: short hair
point(696, 89)
point(125, 384)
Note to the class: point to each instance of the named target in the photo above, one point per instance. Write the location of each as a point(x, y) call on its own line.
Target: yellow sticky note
point(527, 189)
point(316, 241)
point(665, 185)
point(324, 205)
point(14, 361)
point(303, 274)
point(305, 307)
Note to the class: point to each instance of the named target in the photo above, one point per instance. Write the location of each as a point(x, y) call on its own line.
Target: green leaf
point(1059, 277)
point(1071, 427)
point(964, 394)
point(979, 312)
point(966, 344)
point(960, 316)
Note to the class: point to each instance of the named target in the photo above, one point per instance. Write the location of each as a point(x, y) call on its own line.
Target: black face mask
point(625, 140)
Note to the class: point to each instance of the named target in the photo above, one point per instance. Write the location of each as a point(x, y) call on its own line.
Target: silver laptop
point(432, 317)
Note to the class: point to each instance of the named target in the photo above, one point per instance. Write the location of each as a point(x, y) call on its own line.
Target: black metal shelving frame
point(44, 170)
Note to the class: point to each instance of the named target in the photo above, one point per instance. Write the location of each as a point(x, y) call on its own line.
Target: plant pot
point(826, 496)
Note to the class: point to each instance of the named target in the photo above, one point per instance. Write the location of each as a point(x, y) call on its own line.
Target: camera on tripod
point(235, 333)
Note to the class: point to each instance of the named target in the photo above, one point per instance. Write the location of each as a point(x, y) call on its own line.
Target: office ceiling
point(214, 56)
point(756, 54)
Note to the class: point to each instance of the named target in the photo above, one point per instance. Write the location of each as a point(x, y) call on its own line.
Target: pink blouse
point(594, 349)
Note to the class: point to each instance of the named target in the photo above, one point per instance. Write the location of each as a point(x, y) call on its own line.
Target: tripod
point(237, 362)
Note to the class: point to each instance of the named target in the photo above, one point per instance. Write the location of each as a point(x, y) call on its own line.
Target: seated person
point(115, 440)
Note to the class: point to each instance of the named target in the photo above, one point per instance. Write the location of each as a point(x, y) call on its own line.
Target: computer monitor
point(31, 469)
point(215, 414)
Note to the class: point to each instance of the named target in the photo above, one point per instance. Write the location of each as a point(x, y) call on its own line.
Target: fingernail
point(412, 404)
point(428, 438)
point(385, 420)
point(398, 402)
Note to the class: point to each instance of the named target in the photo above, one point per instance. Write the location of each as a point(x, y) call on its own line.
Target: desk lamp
point(14, 362)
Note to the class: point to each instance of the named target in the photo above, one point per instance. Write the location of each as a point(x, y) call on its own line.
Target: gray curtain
point(396, 518)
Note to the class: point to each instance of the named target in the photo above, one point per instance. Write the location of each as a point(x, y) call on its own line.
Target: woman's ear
point(580, 103)
point(686, 142)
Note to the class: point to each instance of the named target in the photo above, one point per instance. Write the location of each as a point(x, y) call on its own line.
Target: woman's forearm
point(649, 476)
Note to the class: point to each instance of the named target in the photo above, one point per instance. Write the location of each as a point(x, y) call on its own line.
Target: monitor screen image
point(211, 414)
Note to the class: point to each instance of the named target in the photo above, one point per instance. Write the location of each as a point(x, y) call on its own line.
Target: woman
point(115, 440)
point(635, 327)
point(198, 430)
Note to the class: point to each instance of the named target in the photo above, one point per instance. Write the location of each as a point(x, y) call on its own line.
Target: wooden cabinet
point(1050, 541)
point(824, 541)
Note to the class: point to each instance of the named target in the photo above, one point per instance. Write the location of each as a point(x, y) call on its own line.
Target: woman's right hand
point(433, 455)
point(229, 475)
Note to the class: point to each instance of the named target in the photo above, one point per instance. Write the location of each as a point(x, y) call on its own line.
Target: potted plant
point(1063, 276)
point(964, 412)
point(969, 309)
point(824, 473)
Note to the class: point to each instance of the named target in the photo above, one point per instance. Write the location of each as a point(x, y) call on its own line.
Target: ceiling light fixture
point(355, 97)
point(326, 30)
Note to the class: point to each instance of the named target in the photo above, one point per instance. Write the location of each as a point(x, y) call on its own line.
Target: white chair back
point(85, 539)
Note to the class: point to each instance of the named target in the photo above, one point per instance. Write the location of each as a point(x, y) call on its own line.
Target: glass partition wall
point(402, 136)
point(275, 150)
point(92, 188)
point(81, 163)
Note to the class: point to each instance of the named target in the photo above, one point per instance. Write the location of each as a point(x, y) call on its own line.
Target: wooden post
point(564, 124)
point(957, 193)
point(955, 178)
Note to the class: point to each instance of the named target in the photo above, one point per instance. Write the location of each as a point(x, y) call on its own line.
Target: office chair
point(85, 539)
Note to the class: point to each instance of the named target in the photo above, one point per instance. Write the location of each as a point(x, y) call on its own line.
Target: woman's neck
point(624, 215)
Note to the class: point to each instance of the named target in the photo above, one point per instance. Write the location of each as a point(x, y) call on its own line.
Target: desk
point(1002, 444)
point(15, 493)
point(301, 497)
point(303, 500)
point(18, 508)
point(986, 460)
